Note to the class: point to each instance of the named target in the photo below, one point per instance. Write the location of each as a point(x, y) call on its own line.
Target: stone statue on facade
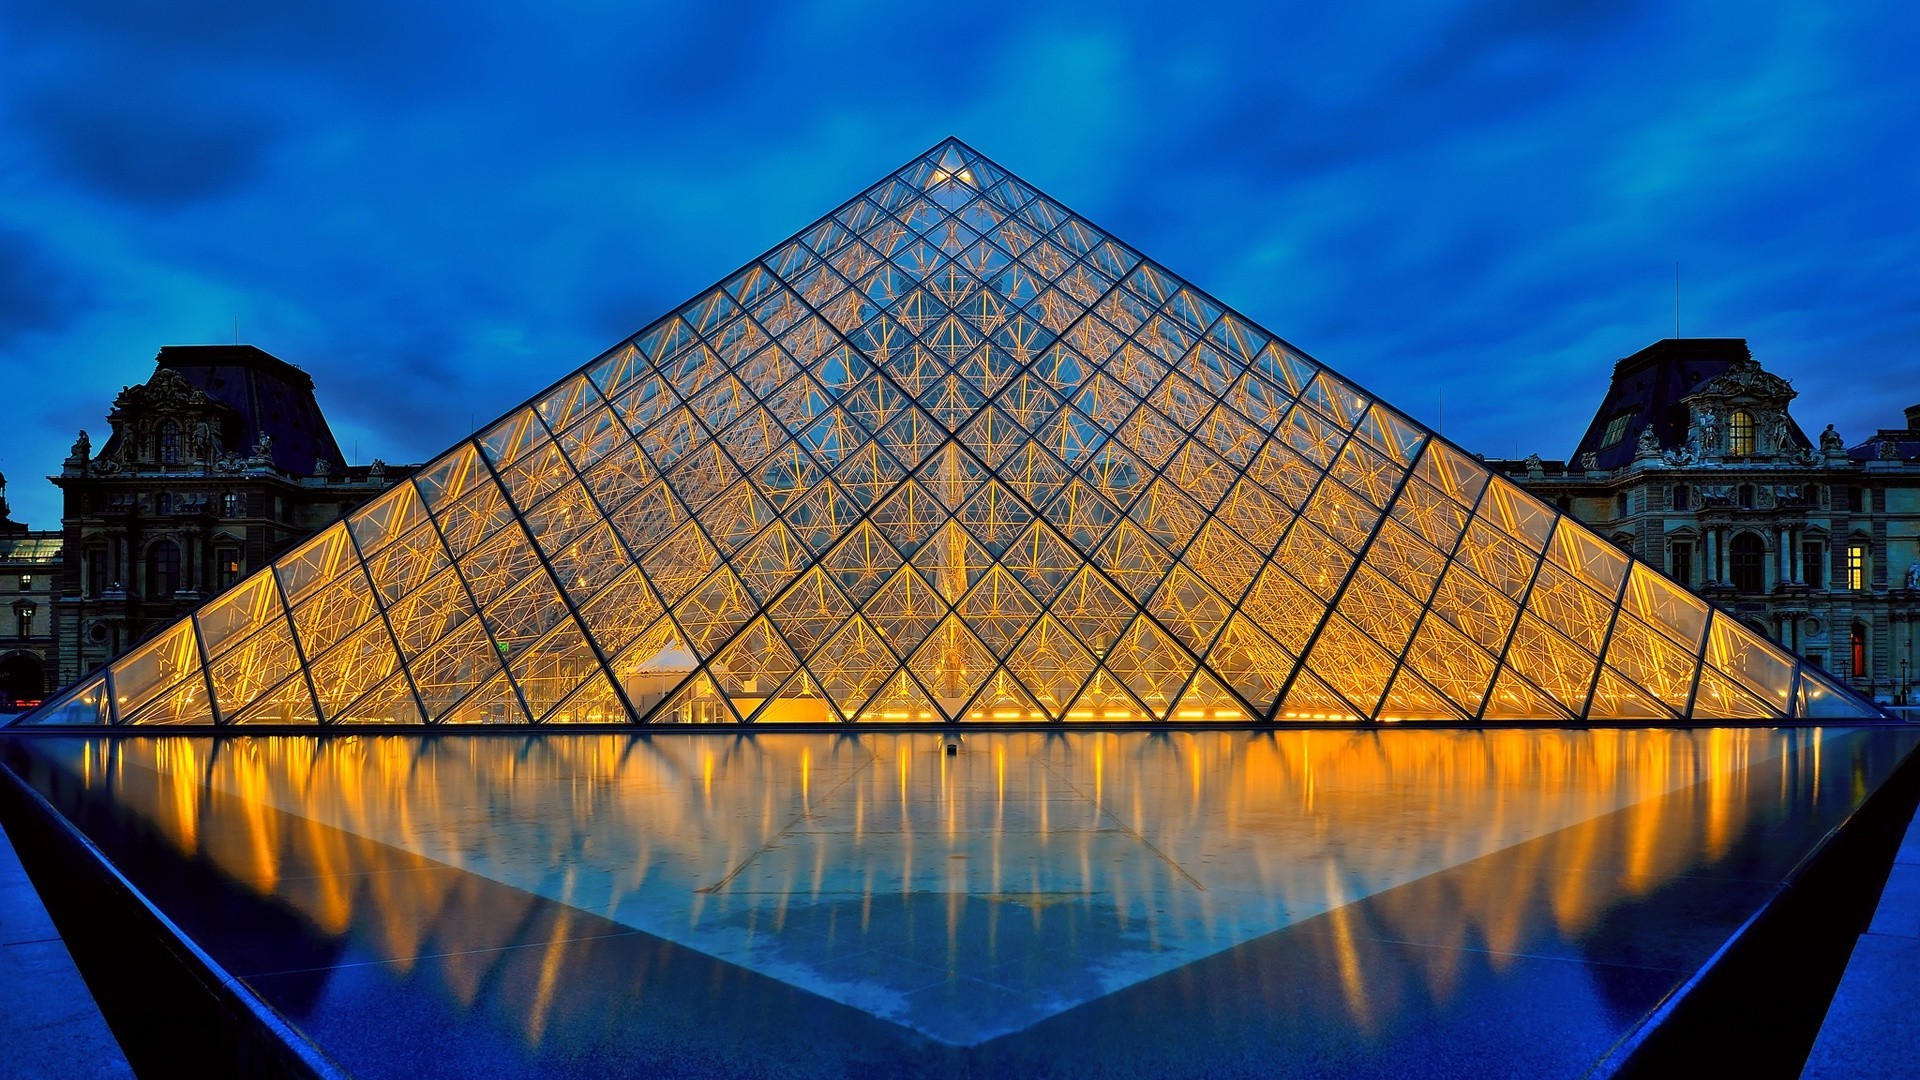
point(1782, 436)
point(322, 468)
point(1590, 462)
point(205, 444)
point(1535, 468)
point(79, 457)
point(1649, 444)
point(1831, 442)
point(1888, 450)
point(377, 470)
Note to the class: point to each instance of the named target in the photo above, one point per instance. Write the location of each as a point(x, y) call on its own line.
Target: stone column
point(1799, 556)
point(1782, 559)
point(1711, 558)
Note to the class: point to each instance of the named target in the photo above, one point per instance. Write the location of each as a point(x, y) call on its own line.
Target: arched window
point(1747, 558)
point(1740, 433)
point(1857, 642)
point(169, 443)
point(1682, 497)
point(163, 569)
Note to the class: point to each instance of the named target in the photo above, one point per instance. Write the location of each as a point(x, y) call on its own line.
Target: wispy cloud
point(436, 209)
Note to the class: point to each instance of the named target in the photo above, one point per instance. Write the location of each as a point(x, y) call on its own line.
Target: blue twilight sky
point(436, 209)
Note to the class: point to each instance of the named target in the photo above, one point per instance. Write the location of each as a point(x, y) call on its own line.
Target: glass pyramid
point(953, 453)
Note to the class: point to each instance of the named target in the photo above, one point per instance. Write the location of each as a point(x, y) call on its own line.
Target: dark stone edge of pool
point(173, 1009)
point(1756, 1005)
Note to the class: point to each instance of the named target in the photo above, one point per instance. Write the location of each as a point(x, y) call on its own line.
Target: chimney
point(1913, 417)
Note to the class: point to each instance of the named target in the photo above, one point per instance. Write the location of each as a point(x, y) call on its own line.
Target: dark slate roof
point(1906, 439)
point(268, 394)
point(1649, 385)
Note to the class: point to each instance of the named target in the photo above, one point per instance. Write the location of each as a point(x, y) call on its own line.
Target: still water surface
point(1073, 903)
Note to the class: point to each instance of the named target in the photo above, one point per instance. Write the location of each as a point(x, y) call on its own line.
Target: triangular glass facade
point(953, 453)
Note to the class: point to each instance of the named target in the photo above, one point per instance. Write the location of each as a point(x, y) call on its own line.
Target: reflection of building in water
point(1294, 822)
point(954, 454)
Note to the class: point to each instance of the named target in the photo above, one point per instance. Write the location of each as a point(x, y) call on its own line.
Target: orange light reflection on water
point(1301, 821)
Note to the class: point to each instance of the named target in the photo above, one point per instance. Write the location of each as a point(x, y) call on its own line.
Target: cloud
point(39, 293)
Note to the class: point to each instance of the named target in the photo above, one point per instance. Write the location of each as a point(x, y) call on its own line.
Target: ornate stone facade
point(217, 463)
point(1816, 545)
point(29, 582)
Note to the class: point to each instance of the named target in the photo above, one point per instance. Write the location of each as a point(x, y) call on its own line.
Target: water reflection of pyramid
point(953, 453)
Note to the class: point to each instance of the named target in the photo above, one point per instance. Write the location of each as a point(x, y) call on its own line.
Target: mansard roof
point(267, 396)
point(1650, 387)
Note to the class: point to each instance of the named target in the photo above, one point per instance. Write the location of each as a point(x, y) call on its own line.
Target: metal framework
point(953, 454)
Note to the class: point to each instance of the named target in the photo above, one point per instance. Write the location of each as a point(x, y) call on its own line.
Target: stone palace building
point(1694, 463)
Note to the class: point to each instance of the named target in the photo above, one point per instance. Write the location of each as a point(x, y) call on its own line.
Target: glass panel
point(1819, 698)
point(1514, 699)
point(289, 703)
point(1451, 664)
point(593, 703)
point(1652, 661)
point(1188, 609)
point(243, 673)
point(1454, 474)
point(1594, 561)
point(1310, 699)
point(315, 563)
point(153, 667)
point(392, 702)
point(355, 667)
point(1720, 698)
point(1105, 700)
point(1560, 600)
point(387, 517)
point(1346, 661)
point(333, 613)
point(239, 612)
point(1152, 665)
point(1677, 612)
point(951, 663)
point(1756, 664)
point(84, 704)
point(998, 610)
point(899, 700)
point(852, 665)
point(1412, 699)
point(1617, 698)
point(1552, 663)
point(1250, 662)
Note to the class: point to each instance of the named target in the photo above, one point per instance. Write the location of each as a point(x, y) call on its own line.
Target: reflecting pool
point(1252, 903)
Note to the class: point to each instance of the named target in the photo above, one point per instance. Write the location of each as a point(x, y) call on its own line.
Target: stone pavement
point(1873, 1026)
point(49, 1025)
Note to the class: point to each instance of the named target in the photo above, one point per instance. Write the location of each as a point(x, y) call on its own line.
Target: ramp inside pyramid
point(953, 453)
